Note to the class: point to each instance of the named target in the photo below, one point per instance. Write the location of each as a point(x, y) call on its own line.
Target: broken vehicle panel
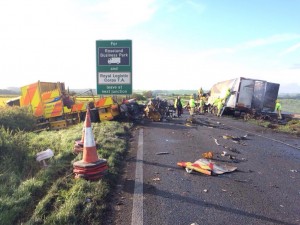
point(246, 94)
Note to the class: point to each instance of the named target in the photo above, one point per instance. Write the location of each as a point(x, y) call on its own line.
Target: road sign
point(114, 67)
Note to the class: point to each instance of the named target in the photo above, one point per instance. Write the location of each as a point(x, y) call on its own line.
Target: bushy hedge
point(17, 118)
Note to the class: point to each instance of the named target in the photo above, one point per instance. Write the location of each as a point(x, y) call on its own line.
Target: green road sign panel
point(114, 67)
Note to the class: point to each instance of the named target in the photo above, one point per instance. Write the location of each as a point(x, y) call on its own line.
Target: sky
point(176, 44)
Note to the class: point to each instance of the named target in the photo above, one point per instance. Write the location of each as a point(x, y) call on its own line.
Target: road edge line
point(137, 208)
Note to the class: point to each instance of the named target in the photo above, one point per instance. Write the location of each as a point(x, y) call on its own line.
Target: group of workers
point(179, 106)
point(202, 99)
point(218, 104)
point(191, 105)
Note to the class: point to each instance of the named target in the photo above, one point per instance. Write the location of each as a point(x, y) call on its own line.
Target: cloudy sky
point(177, 44)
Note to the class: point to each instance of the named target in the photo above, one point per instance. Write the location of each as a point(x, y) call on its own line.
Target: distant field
point(290, 105)
point(4, 98)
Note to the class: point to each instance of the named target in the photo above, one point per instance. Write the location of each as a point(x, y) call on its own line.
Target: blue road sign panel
point(113, 56)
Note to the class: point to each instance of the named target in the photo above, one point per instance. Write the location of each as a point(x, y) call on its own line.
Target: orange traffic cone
point(89, 146)
point(90, 167)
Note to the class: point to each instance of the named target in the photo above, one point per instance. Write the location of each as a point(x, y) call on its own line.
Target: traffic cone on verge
point(89, 145)
point(78, 146)
point(90, 167)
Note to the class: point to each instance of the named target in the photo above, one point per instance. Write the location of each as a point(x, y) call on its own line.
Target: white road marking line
point(137, 209)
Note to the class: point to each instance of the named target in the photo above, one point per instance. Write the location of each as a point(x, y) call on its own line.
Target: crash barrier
point(90, 167)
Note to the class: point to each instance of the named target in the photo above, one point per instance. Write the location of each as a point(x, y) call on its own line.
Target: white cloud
point(269, 40)
point(252, 44)
point(121, 14)
point(291, 49)
point(198, 7)
point(159, 68)
point(173, 7)
point(55, 41)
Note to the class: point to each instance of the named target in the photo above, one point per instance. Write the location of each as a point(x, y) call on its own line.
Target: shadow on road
point(152, 190)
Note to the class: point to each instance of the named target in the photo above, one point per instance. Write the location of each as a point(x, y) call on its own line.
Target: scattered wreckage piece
point(44, 155)
point(216, 141)
point(158, 109)
point(207, 167)
point(162, 153)
point(189, 167)
point(208, 155)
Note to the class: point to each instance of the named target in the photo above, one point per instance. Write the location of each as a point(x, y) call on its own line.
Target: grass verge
point(32, 194)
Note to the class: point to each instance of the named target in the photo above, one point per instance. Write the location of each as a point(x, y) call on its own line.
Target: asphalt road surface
point(264, 189)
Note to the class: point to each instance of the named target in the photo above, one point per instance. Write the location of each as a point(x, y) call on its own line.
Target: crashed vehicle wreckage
point(157, 110)
point(251, 96)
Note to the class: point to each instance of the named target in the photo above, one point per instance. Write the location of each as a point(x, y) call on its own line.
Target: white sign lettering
point(113, 78)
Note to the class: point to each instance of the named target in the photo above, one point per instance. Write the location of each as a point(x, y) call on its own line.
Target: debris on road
point(241, 181)
point(224, 153)
point(162, 153)
point(227, 137)
point(216, 141)
point(236, 140)
point(156, 179)
point(234, 150)
point(189, 167)
point(206, 166)
point(207, 155)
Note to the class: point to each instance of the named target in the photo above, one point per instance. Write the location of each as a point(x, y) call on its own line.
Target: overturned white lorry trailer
point(247, 95)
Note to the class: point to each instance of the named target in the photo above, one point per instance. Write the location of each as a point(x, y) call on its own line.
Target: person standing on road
point(178, 106)
point(278, 109)
point(214, 106)
point(200, 93)
point(192, 105)
point(201, 104)
point(227, 95)
point(219, 106)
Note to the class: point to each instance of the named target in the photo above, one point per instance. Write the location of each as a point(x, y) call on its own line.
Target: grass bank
point(32, 194)
point(290, 105)
point(290, 127)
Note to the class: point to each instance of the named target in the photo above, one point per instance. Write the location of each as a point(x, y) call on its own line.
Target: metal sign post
point(114, 67)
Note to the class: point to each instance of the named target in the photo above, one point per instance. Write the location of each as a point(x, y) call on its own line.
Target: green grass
point(16, 118)
point(31, 194)
point(290, 105)
point(4, 98)
point(291, 127)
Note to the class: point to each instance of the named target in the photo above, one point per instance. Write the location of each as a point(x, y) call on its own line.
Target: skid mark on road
point(137, 209)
